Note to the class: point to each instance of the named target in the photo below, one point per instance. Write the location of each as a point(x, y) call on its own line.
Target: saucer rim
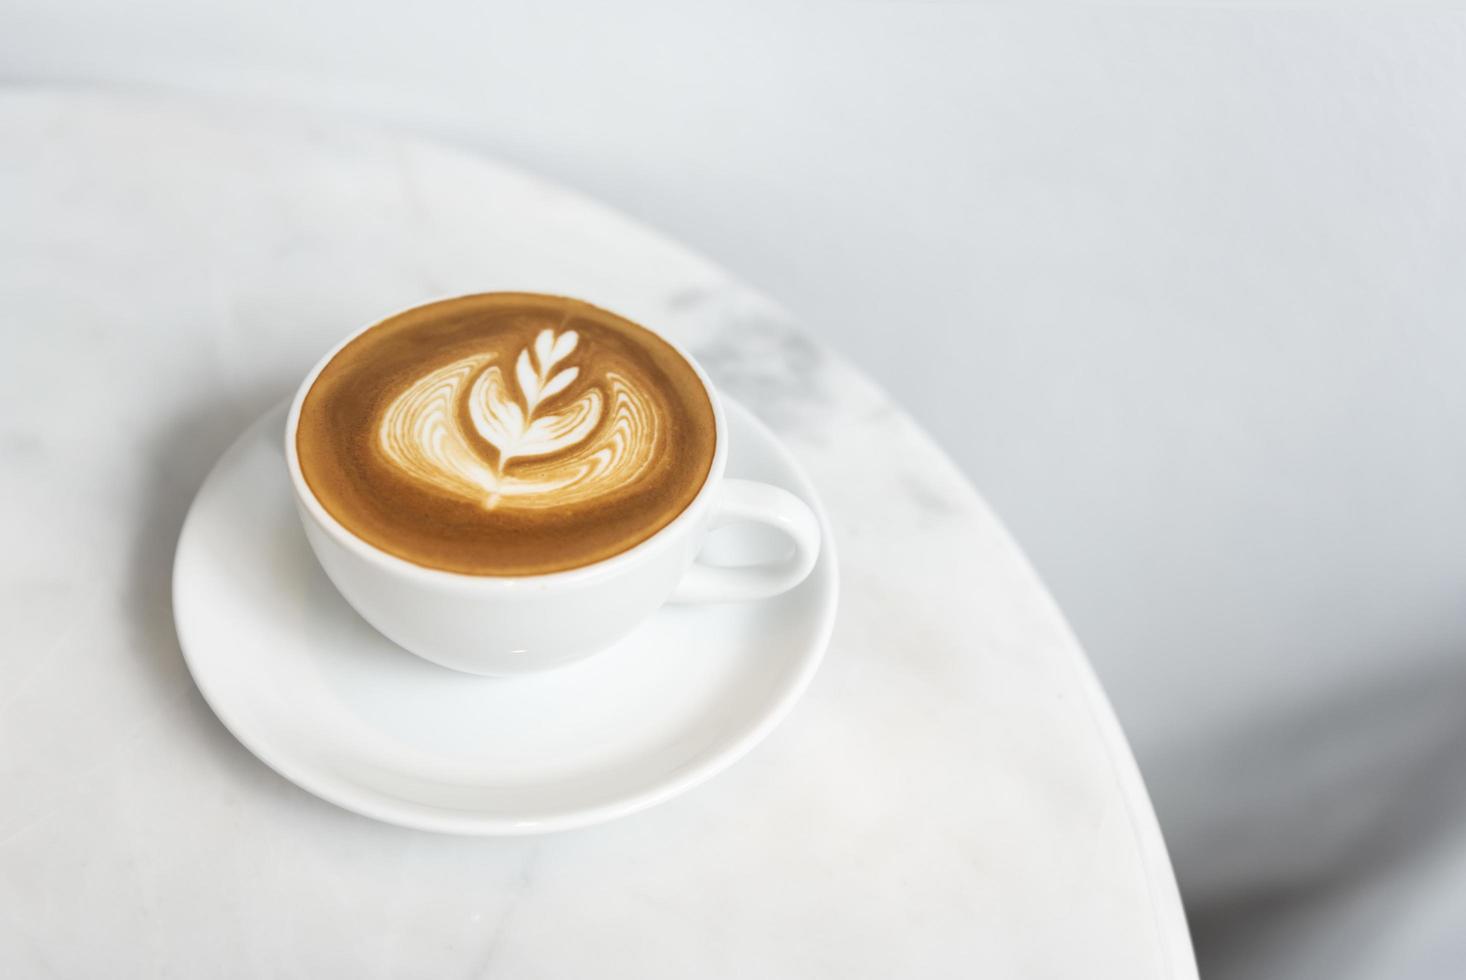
point(321, 781)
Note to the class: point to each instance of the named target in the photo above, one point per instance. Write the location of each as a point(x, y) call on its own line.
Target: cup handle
point(739, 501)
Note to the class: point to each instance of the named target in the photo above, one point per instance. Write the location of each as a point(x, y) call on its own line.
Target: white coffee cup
point(500, 625)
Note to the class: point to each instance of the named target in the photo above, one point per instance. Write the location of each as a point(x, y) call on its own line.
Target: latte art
point(505, 432)
point(545, 454)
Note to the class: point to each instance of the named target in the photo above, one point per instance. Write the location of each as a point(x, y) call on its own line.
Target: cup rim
point(464, 581)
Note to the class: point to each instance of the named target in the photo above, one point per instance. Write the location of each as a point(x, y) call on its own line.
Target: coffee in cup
point(505, 482)
point(506, 434)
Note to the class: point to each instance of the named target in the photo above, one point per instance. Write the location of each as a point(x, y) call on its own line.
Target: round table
point(953, 797)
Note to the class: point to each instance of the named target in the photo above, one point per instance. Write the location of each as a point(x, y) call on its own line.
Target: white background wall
point(1183, 289)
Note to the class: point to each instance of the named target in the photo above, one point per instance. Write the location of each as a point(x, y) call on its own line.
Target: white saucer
point(339, 710)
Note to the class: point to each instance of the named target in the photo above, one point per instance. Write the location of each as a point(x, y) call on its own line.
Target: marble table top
point(952, 798)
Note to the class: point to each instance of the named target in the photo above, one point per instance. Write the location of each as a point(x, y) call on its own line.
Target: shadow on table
point(177, 457)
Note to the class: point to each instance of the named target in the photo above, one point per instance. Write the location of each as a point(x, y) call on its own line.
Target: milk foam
point(549, 446)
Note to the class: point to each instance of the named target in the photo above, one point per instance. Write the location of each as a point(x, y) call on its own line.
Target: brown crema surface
point(506, 434)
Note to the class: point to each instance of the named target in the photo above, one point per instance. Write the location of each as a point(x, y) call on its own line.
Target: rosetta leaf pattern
point(521, 430)
point(564, 451)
